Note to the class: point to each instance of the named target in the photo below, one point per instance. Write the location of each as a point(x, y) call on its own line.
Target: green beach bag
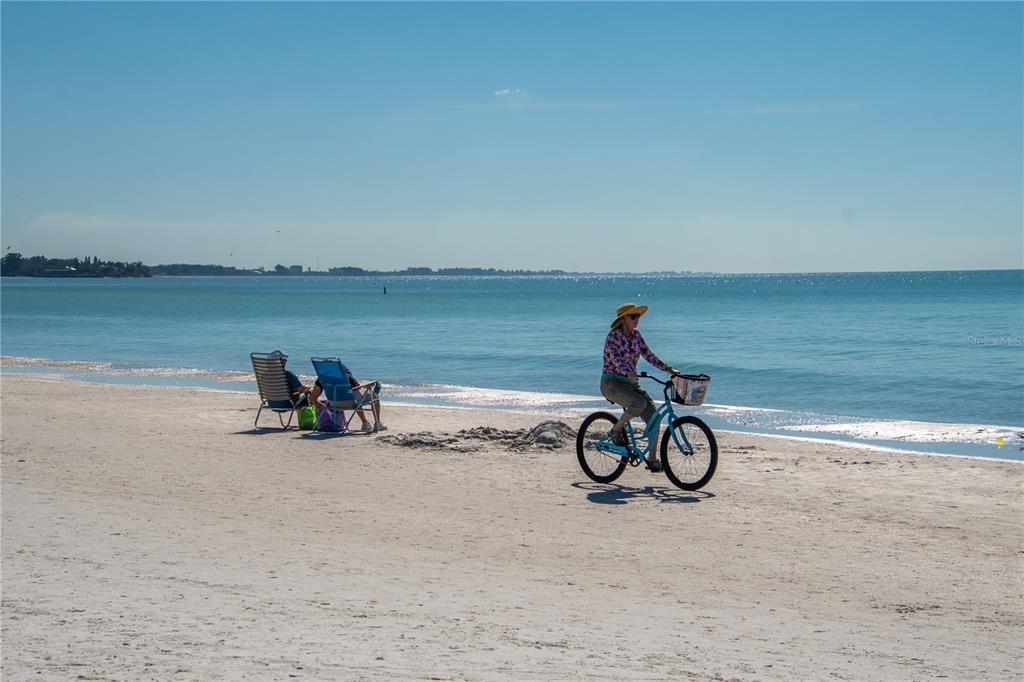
point(307, 418)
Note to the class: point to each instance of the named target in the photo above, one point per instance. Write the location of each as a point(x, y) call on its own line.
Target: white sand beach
point(150, 533)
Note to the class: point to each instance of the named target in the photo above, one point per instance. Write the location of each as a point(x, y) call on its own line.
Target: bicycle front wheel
point(691, 457)
point(598, 464)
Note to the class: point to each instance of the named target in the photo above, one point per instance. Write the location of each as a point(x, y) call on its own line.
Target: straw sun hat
point(628, 309)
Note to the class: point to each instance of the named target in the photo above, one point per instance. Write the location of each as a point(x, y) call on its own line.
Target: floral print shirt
point(621, 351)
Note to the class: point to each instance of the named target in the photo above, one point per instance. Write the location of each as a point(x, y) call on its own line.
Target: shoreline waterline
point(871, 345)
point(977, 441)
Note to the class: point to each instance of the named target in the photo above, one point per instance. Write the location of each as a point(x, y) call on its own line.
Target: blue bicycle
point(689, 451)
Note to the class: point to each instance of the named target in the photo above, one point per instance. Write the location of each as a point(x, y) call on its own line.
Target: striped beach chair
point(273, 387)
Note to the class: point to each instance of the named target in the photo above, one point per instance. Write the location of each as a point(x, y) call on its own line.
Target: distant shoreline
point(16, 265)
point(518, 274)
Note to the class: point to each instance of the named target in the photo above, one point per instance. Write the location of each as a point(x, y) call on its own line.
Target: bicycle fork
point(688, 449)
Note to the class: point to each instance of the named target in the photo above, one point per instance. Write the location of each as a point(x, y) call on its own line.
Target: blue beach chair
point(339, 393)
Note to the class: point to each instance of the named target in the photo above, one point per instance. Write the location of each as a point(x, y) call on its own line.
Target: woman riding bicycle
point(622, 348)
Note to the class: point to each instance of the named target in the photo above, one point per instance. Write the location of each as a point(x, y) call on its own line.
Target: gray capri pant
point(627, 392)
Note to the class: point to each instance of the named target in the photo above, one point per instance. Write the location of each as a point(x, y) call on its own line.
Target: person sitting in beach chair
point(280, 390)
point(342, 391)
point(299, 392)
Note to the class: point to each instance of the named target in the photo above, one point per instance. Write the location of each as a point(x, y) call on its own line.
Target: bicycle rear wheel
point(691, 463)
point(602, 467)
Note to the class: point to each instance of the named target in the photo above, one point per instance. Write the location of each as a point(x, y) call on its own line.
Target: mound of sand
point(547, 435)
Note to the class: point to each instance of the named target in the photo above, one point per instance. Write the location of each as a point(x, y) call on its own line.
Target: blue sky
point(613, 137)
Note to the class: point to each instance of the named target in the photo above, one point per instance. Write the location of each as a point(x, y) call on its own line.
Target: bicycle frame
point(637, 455)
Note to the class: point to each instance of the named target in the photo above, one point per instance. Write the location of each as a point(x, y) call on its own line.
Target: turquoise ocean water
point(925, 360)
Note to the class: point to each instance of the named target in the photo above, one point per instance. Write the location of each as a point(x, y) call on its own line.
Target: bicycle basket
point(689, 389)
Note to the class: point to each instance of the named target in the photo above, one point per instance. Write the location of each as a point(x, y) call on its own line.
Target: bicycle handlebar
point(645, 375)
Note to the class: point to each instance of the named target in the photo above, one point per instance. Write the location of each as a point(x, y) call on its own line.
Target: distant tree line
point(193, 270)
point(14, 265)
point(185, 269)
